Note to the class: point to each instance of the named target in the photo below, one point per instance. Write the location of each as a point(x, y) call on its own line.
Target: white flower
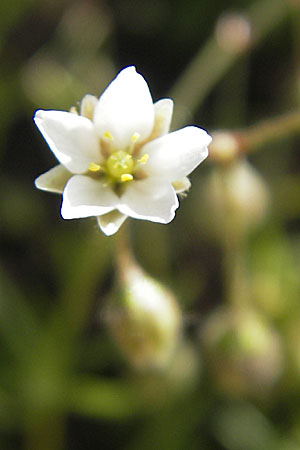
point(117, 158)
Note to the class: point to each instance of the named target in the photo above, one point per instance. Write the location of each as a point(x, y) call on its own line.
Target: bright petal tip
point(72, 138)
point(54, 180)
point(111, 222)
point(125, 108)
point(177, 154)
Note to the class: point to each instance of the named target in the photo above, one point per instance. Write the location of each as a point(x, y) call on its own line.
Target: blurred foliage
point(231, 256)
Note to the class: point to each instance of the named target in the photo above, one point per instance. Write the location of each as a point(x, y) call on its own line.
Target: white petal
point(72, 138)
point(163, 115)
point(125, 108)
point(54, 180)
point(111, 222)
point(182, 185)
point(150, 199)
point(84, 197)
point(87, 106)
point(177, 154)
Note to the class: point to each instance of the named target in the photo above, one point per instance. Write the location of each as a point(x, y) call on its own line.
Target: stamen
point(126, 177)
point(93, 167)
point(135, 137)
point(144, 158)
point(108, 135)
point(106, 143)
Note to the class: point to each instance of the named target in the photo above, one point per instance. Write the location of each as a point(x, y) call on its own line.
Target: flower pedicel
point(117, 158)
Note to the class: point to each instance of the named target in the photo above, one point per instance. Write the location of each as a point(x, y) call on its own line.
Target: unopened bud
point(238, 196)
point(225, 147)
point(244, 352)
point(233, 32)
point(180, 377)
point(145, 319)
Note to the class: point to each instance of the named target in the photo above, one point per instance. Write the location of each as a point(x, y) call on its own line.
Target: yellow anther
point(93, 167)
point(108, 135)
point(135, 137)
point(143, 159)
point(126, 177)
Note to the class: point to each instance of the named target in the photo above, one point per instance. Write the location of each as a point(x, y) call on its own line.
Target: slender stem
point(270, 130)
point(235, 276)
point(122, 252)
point(236, 281)
point(229, 144)
point(213, 61)
point(201, 75)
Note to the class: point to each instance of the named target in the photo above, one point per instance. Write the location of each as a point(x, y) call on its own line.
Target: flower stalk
point(239, 202)
point(270, 130)
point(214, 60)
point(228, 145)
point(143, 315)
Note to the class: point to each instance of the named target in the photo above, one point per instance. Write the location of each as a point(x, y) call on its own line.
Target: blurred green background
point(231, 256)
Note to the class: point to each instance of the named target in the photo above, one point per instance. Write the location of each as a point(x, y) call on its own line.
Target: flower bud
point(144, 319)
point(243, 351)
point(225, 146)
point(233, 32)
point(179, 378)
point(237, 197)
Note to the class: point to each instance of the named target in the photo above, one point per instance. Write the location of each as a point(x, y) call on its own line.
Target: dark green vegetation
point(231, 256)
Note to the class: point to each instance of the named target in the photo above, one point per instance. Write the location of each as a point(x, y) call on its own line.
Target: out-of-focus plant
point(143, 316)
point(95, 350)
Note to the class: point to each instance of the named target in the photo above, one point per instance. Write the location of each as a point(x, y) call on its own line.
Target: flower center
point(120, 165)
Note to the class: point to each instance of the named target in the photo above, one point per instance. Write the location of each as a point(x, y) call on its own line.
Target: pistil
point(120, 164)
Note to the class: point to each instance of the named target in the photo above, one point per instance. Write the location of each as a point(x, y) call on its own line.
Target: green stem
point(201, 75)
point(235, 275)
point(269, 131)
point(212, 61)
point(123, 254)
point(236, 281)
point(234, 143)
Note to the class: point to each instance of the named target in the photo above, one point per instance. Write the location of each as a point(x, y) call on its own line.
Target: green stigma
point(120, 163)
